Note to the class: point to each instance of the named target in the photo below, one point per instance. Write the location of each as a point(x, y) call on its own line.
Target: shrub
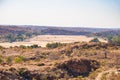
point(116, 40)
point(21, 71)
point(53, 45)
point(80, 77)
point(34, 46)
point(19, 59)
point(8, 59)
point(95, 40)
point(1, 60)
point(22, 46)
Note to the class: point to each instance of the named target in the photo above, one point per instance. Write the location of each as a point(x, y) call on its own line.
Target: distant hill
point(75, 29)
point(108, 33)
point(53, 31)
point(12, 33)
point(13, 29)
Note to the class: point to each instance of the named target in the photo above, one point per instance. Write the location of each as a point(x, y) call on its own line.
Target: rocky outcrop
point(76, 67)
point(64, 69)
point(24, 74)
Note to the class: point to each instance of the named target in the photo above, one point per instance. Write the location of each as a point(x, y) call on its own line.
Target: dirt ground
point(42, 40)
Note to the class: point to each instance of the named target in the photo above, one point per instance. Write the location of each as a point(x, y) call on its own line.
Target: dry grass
point(44, 60)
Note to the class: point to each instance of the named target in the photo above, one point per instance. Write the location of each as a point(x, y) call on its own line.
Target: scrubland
point(66, 61)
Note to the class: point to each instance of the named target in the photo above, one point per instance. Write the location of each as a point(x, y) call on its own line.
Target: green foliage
point(23, 47)
point(34, 46)
point(19, 59)
point(95, 40)
point(1, 60)
point(53, 45)
point(8, 59)
point(80, 77)
point(116, 40)
point(15, 37)
point(18, 36)
point(21, 71)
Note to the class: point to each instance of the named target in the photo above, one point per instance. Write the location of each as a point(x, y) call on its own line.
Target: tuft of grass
point(1, 60)
point(80, 77)
point(19, 59)
point(55, 63)
point(8, 59)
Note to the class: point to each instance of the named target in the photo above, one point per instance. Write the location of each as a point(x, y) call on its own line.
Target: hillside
point(73, 61)
point(108, 33)
point(13, 33)
point(13, 29)
point(55, 31)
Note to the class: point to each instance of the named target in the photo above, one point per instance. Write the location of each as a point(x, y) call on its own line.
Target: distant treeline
point(112, 36)
point(12, 33)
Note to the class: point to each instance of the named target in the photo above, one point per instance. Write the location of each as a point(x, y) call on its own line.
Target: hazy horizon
point(61, 13)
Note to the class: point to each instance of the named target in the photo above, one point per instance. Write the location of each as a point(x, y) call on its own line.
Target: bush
point(53, 45)
point(1, 60)
point(95, 40)
point(8, 59)
point(23, 47)
point(116, 40)
point(19, 59)
point(34, 46)
point(79, 77)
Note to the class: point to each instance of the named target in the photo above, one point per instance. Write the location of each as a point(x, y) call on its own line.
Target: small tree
point(116, 40)
point(95, 40)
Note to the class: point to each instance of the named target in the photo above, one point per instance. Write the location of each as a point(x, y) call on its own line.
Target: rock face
point(76, 67)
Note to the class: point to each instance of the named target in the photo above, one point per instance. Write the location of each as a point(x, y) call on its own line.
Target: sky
point(65, 13)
